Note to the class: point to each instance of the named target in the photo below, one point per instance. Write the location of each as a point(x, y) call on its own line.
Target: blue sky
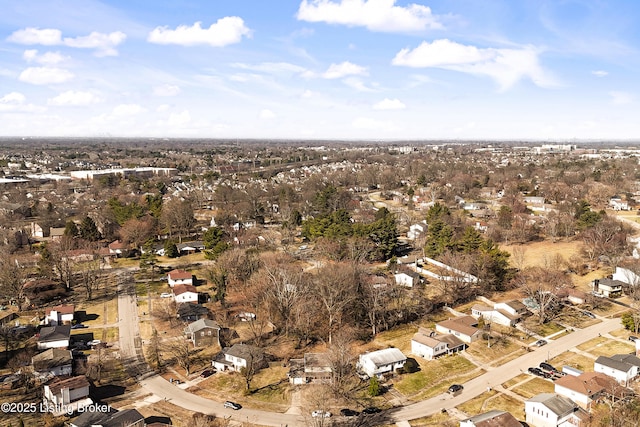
point(316, 69)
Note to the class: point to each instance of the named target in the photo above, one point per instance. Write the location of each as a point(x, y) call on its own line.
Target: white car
point(166, 295)
point(320, 414)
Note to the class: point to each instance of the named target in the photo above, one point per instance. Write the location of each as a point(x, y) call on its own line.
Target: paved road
point(129, 332)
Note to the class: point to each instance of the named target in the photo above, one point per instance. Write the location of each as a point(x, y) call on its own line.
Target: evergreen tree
point(89, 230)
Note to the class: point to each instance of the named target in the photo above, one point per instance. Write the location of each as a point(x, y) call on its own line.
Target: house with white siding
point(429, 345)
point(377, 363)
point(552, 410)
point(65, 396)
point(179, 277)
point(624, 368)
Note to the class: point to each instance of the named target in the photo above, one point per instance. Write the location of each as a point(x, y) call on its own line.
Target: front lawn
point(534, 387)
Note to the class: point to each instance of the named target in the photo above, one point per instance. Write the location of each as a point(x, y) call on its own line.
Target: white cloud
point(620, 98)
point(179, 119)
point(45, 75)
point(600, 73)
point(104, 44)
point(271, 67)
point(166, 90)
point(375, 15)
point(367, 123)
point(47, 37)
point(338, 71)
point(47, 58)
point(356, 84)
point(307, 94)
point(505, 66)
point(267, 114)
point(13, 98)
point(74, 98)
point(162, 107)
point(128, 110)
point(389, 104)
point(225, 31)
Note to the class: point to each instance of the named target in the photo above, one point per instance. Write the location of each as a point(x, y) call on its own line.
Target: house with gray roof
point(623, 367)
point(552, 410)
point(110, 418)
point(239, 356)
point(53, 361)
point(493, 418)
point(203, 332)
point(377, 363)
point(313, 367)
point(54, 337)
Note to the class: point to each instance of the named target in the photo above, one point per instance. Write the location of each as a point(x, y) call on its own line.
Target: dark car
point(632, 338)
point(79, 326)
point(346, 412)
point(536, 371)
point(454, 388)
point(207, 373)
point(371, 410)
point(589, 314)
point(233, 405)
point(547, 367)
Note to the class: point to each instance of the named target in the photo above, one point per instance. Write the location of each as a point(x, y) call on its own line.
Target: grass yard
point(534, 387)
point(515, 380)
point(493, 400)
point(545, 329)
point(435, 377)
point(575, 360)
point(622, 333)
point(498, 354)
point(475, 405)
point(436, 420)
point(602, 346)
point(399, 337)
point(541, 254)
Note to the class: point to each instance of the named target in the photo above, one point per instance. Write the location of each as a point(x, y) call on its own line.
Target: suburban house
point(606, 287)
point(589, 386)
point(190, 247)
point(464, 327)
point(117, 248)
point(239, 356)
point(617, 204)
point(59, 315)
point(192, 312)
point(313, 367)
point(53, 361)
point(110, 418)
point(494, 418)
point(622, 367)
point(429, 345)
point(503, 313)
point(38, 231)
point(203, 332)
point(54, 337)
point(63, 396)
point(416, 230)
point(408, 279)
point(377, 363)
point(185, 293)
point(551, 410)
point(179, 277)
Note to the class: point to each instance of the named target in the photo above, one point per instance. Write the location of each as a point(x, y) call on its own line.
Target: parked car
point(454, 388)
point(536, 371)
point(207, 373)
point(547, 367)
point(94, 343)
point(371, 410)
point(346, 412)
point(233, 405)
point(79, 326)
point(320, 414)
point(540, 343)
point(589, 314)
point(166, 295)
point(632, 338)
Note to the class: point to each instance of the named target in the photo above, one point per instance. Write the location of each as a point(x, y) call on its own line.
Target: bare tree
point(334, 287)
point(541, 285)
point(182, 352)
point(12, 276)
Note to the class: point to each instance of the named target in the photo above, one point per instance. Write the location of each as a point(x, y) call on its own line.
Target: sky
point(550, 70)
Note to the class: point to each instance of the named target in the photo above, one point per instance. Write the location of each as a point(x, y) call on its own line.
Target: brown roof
point(51, 358)
point(62, 309)
point(118, 244)
point(588, 383)
point(463, 324)
point(179, 274)
point(71, 383)
point(181, 289)
point(433, 341)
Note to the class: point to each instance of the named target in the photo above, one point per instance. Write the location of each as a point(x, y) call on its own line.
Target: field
point(541, 254)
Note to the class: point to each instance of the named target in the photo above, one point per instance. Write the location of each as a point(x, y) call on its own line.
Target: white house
point(503, 313)
point(617, 204)
point(53, 361)
point(622, 367)
point(179, 277)
point(607, 287)
point(587, 387)
point(117, 247)
point(494, 418)
point(54, 337)
point(238, 356)
point(416, 230)
point(377, 363)
point(464, 328)
point(429, 345)
point(314, 367)
point(409, 279)
point(63, 396)
point(59, 315)
point(551, 410)
point(185, 293)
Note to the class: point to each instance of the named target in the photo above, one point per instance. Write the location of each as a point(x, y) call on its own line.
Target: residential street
point(130, 348)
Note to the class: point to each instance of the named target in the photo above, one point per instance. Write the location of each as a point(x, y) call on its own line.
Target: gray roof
point(243, 351)
point(386, 356)
point(628, 358)
point(55, 333)
point(609, 362)
point(559, 405)
point(201, 324)
point(51, 358)
point(495, 418)
point(112, 418)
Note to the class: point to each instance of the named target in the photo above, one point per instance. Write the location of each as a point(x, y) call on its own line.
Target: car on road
point(454, 388)
point(318, 413)
point(346, 412)
point(207, 373)
point(540, 343)
point(632, 338)
point(589, 314)
point(233, 405)
point(371, 410)
point(79, 326)
point(166, 295)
